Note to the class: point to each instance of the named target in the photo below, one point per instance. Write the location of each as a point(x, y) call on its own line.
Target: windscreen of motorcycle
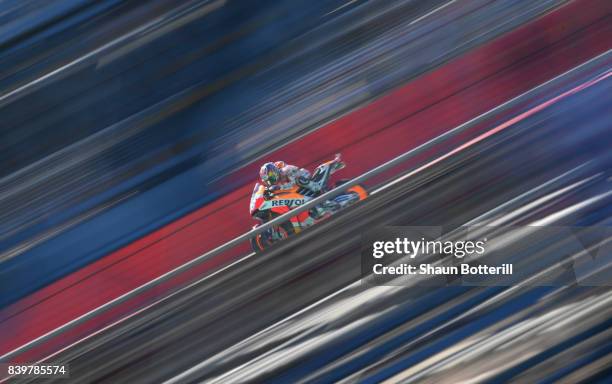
point(256, 198)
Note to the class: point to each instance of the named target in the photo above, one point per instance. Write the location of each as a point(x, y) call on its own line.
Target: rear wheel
point(360, 191)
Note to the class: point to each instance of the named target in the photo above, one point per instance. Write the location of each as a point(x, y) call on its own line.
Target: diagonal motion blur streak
point(252, 305)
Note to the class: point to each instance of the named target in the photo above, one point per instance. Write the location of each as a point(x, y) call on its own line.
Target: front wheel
point(273, 235)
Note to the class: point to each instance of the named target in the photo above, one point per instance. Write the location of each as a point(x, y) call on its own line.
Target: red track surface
point(403, 119)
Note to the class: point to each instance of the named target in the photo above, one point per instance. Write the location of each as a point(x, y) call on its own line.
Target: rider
point(280, 175)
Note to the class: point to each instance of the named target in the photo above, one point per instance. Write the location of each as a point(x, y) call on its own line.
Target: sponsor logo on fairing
point(287, 202)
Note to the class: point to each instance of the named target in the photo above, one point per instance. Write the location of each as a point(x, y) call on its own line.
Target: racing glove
point(268, 194)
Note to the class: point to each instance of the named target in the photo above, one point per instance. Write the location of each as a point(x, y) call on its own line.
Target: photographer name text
point(430, 269)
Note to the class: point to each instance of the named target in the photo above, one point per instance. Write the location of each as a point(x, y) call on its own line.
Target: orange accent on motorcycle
point(360, 191)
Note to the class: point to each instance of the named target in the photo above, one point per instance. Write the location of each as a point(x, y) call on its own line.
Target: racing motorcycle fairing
point(281, 202)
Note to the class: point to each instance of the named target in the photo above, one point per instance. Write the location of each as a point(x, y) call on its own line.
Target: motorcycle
point(267, 204)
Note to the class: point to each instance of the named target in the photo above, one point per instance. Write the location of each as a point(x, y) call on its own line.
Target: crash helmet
point(269, 174)
point(280, 164)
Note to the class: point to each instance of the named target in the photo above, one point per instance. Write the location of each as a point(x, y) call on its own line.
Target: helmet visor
point(271, 178)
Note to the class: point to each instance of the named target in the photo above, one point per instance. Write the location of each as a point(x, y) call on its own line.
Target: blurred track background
point(132, 133)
